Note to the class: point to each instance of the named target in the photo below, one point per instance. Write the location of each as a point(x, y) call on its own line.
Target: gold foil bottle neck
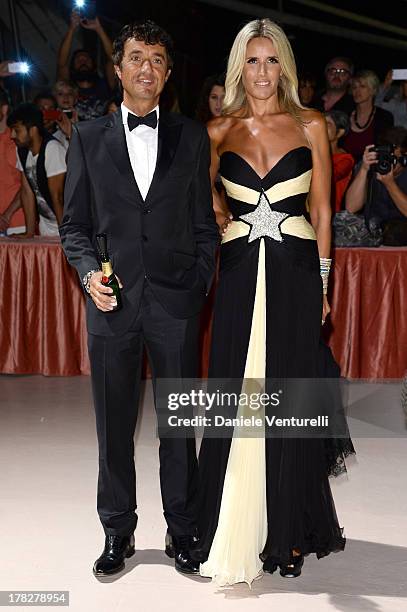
point(107, 268)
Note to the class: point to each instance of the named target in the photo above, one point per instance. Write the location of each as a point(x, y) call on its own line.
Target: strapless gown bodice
point(277, 201)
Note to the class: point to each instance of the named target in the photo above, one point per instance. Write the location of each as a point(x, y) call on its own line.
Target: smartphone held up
point(85, 8)
point(399, 74)
point(18, 68)
point(52, 114)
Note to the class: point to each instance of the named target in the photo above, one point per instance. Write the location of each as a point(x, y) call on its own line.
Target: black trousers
point(172, 348)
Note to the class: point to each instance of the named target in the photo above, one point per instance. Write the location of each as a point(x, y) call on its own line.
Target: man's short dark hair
point(396, 135)
point(28, 114)
point(45, 95)
point(146, 31)
point(4, 99)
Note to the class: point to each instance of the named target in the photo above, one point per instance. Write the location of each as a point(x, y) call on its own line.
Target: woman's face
point(262, 70)
point(306, 92)
point(361, 91)
point(215, 100)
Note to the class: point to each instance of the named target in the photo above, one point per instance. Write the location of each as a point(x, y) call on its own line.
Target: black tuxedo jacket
point(169, 239)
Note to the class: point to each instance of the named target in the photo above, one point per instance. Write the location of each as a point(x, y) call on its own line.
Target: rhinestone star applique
point(264, 221)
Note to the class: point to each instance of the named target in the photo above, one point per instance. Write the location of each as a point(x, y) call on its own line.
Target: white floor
point(51, 535)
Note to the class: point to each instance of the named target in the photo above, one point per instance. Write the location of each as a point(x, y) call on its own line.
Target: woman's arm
point(216, 134)
point(320, 190)
point(320, 196)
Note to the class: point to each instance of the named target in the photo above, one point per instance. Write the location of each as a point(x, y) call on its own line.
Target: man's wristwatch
point(86, 280)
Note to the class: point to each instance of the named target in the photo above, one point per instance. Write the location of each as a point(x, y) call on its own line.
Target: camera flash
point(80, 3)
point(25, 68)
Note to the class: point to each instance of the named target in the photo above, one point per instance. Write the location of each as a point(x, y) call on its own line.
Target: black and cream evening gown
point(261, 496)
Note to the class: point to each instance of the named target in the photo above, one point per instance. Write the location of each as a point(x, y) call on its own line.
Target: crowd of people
point(361, 114)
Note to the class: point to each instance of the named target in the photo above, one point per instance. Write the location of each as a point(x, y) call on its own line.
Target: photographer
point(383, 196)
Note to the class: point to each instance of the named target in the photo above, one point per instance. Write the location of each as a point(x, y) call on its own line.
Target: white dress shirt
point(142, 145)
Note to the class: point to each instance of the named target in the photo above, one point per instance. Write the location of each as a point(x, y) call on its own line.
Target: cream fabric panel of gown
point(242, 526)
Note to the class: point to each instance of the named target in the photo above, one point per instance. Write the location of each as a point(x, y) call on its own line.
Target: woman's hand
point(223, 222)
point(326, 309)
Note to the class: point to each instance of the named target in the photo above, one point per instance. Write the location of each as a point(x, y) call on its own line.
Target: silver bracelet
point(86, 280)
point(325, 266)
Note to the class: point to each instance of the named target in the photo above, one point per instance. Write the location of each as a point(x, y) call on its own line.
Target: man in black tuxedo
point(141, 176)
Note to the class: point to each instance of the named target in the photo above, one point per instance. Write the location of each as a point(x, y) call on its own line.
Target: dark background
point(203, 35)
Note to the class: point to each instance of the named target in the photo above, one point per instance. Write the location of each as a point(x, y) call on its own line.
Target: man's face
point(66, 97)
point(143, 71)
point(21, 135)
point(338, 76)
point(83, 62)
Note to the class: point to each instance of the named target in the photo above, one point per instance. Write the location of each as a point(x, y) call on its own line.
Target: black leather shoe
point(169, 546)
point(111, 561)
point(184, 562)
point(269, 566)
point(293, 569)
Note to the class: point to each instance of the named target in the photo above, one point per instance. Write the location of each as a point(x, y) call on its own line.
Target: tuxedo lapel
point(169, 134)
point(115, 140)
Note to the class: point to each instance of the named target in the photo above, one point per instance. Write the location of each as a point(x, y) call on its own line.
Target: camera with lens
point(385, 158)
point(402, 160)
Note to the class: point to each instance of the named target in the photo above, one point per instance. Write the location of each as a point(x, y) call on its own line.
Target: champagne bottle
point(108, 279)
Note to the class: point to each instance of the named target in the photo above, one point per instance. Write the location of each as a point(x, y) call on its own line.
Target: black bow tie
point(150, 120)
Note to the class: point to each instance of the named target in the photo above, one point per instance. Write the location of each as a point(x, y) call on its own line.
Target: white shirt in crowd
point(142, 145)
point(54, 164)
point(61, 137)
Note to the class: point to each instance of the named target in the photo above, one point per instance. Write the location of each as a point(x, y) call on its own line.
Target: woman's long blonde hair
point(235, 97)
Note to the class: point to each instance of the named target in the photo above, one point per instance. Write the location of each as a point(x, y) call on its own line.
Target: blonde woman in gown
point(266, 502)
